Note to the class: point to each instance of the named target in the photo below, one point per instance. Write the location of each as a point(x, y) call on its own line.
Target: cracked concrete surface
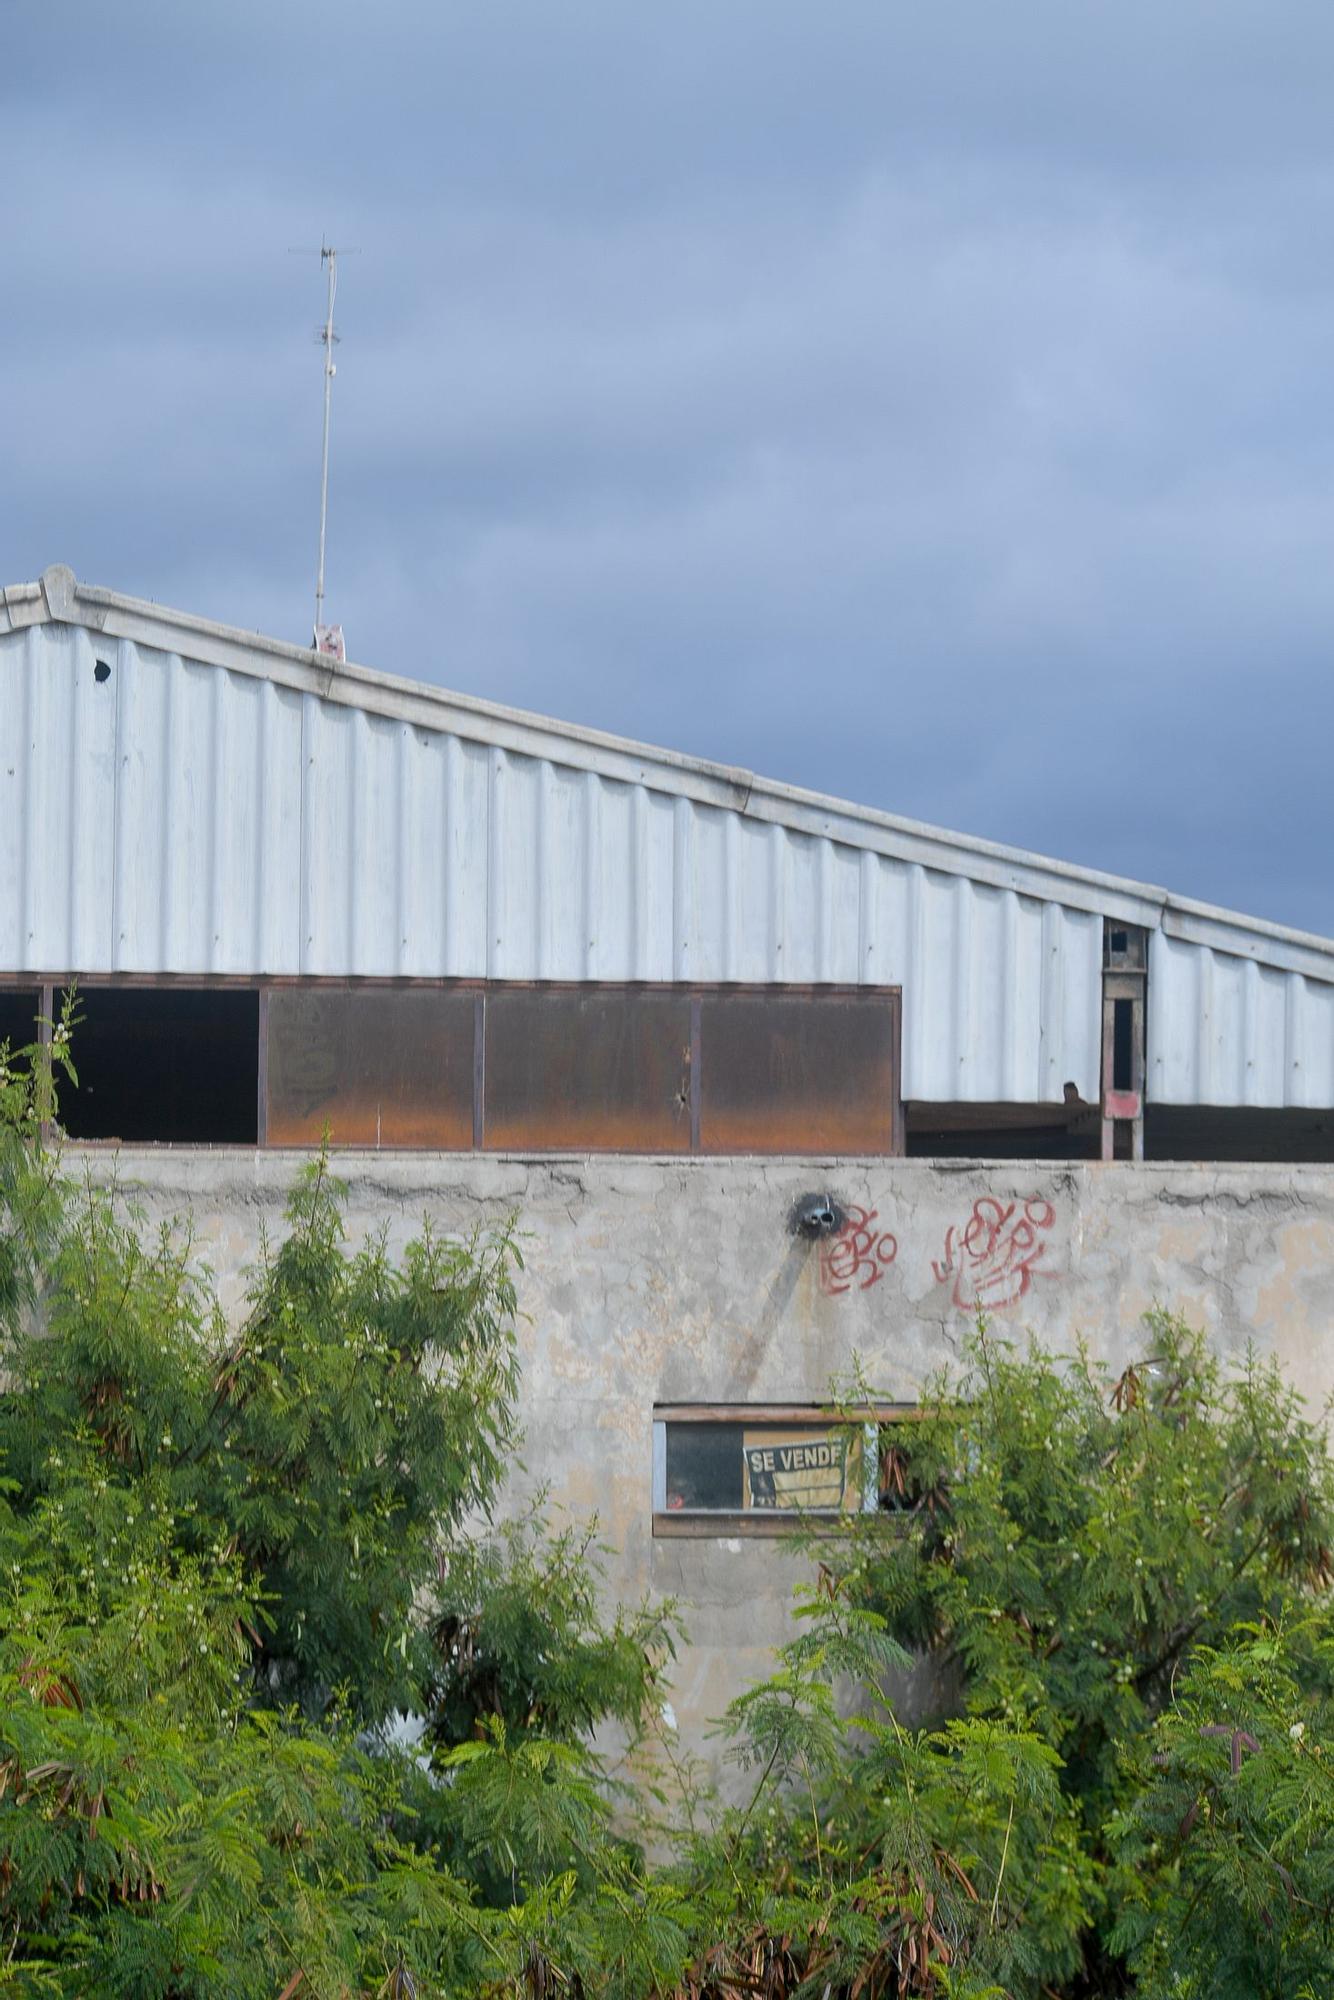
point(676, 1280)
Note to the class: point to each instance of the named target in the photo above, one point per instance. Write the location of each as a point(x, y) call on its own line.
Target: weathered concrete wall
point(679, 1281)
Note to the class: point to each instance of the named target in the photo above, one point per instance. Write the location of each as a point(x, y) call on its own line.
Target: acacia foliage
point(1093, 1561)
point(1226, 1851)
point(228, 1562)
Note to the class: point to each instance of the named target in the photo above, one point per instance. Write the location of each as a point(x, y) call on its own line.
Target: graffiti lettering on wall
point(859, 1254)
point(993, 1258)
point(989, 1261)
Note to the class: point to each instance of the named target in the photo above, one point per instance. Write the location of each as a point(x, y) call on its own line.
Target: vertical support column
point(1125, 964)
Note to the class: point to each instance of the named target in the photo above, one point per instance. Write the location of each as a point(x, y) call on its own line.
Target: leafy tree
point(1075, 1542)
point(226, 1562)
point(1226, 1856)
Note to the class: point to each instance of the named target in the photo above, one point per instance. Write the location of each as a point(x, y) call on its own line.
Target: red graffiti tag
point(859, 1250)
point(992, 1259)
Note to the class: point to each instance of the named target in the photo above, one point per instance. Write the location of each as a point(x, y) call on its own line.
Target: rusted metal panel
point(460, 1066)
point(587, 1070)
point(790, 1073)
point(376, 1066)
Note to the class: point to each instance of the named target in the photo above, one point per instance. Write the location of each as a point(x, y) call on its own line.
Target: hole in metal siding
point(102, 671)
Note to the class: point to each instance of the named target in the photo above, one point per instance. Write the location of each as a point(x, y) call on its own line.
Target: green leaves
point(520, 1636)
point(276, 1719)
point(1225, 1859)
point(363, 1410)
point(1092, 1542)
point(214, 1554)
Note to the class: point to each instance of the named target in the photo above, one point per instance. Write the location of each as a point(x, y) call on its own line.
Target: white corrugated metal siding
point(184, 817)
point(1224, 1029)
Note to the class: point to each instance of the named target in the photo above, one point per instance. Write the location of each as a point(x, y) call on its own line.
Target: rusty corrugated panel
point(575, 1071)
point(375, 1067)
point(782, 1073)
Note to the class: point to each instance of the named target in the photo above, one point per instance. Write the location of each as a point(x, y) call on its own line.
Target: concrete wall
point(679, 1281)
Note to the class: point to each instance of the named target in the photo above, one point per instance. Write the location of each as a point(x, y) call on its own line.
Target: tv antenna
point(328, 638)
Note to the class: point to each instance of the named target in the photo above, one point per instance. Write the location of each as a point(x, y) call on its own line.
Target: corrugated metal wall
point(1224, 1029)
point(180, 817)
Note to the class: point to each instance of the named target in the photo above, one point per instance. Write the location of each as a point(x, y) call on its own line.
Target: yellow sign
point(802, 1469)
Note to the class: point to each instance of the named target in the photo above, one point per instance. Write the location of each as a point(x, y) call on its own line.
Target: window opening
point(1068, 1131)
point(725, 1468)
point(704, 1468)
point(897, 1487)
point(170, 1064)
point(1123, 1045)
point(1235, 1132)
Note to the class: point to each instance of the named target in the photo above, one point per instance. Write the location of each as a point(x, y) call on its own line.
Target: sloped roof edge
point(60, 598)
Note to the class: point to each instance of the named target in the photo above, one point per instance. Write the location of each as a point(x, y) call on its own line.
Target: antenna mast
point(328, 337)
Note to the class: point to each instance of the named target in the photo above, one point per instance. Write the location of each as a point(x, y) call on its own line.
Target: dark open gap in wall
point(1003, 1131)
point(1218, 1132)
point(1123, 1045)
point(20, 1007)
point(174, 1064)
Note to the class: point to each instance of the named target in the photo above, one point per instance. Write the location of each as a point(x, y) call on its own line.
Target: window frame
point(701, 1524)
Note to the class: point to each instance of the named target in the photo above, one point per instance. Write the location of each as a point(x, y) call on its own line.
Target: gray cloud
point(924, 405)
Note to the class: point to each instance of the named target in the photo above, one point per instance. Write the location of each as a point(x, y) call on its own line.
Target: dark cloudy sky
point(931, 403)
